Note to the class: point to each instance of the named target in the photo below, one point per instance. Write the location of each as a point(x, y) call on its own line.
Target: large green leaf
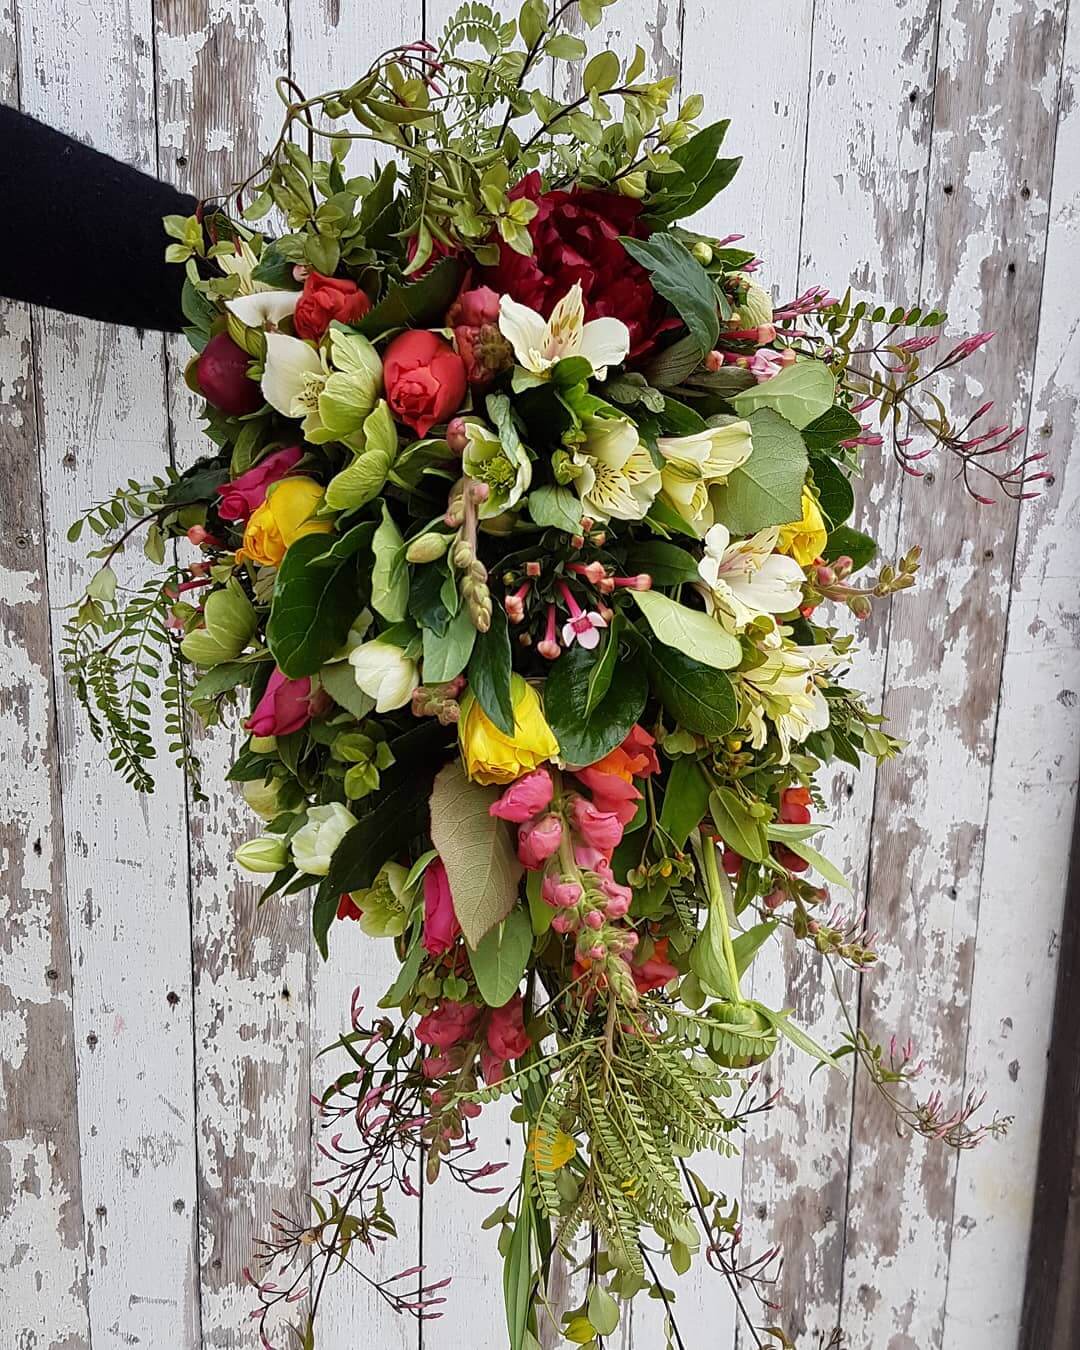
point(415, 304)
point(446, 655)
point(586, 737)
point(699, 698)
point(801, 393)
point(686, 800)
point(832, 427)
point(737, 828)
point(390, 573)
point(477, 851)
point(767, 489)
point(312, 607)
point(678, 276)
point(499, 960)
point(489, 672)
point(339, 681)
point(396, 814)
point(859, 547)
point(556, 507)
point(835, 494)
point(667, 564)
point(690, 631)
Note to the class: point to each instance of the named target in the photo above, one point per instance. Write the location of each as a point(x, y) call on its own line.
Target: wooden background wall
point(158, 1038)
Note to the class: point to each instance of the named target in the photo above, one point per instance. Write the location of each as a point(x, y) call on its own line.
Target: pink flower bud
point(617, 907)
point(598, 952)
point(594, 920)
point(538, 840)
point(563, 923)
point(456, 435)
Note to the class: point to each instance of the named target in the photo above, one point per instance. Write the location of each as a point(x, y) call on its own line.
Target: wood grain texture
point(918, 150)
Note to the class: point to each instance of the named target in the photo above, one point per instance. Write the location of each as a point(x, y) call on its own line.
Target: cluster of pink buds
point(566, 618)
point(591, 906)
point(439, 700)
point(810, 302)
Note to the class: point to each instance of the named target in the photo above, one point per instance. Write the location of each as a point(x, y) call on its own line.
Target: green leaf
point(501, 956)
point(819, 863)
point(565, 47)
point(798, 1038)
point(489, 672)
point(800, 393)
point(737, 827)
point(767, 489)
point(476, 849)
point(446, 656)
point(417, 304)
point(518, 1273)
point(859, 547)
point(601, 73)
point(602, 670)
point(699, 698)
point(748, 944)
point(556, 508)
point(832, 427)
point(667, 564)
point(346, 545)
point(584, 738)
point(230, 622)
point(313, 608)
point(835, 495)
point(382, 832)
point(406, 976)
point(323, 914)
point(690, 631)
point(680, 278)
point(603, 1311)
point(221, 678)
point(686, 800)
point(339, 682)
point(390, 572)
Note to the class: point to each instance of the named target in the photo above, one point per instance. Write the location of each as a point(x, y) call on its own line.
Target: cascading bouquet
point(522, 542)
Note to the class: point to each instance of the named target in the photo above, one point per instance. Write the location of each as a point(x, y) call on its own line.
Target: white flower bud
point(267, 853)
point(313, 844)
point(384, 673)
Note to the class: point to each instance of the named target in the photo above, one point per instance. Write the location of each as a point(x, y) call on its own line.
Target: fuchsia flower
point(285, 707)
point(441, 928)
point(538, 840)
point(239, 498)
point(525, 798)
point(448, 1024)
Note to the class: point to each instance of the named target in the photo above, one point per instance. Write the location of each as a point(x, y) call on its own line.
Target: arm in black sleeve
point(81, 232)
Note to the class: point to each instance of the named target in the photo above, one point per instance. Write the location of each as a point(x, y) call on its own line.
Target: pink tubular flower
point(239, 498)
point(600, 829)
point(506, 1034)
point(585, 627)
point(448, 1024)
point(441, 928)
point(286, 706)
point(525, 798)
point(538, 840)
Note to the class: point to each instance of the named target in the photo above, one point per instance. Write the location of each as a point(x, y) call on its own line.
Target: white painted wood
point(184, 1107)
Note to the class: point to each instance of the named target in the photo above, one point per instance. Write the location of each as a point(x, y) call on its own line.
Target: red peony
point(424, 378)
point(325, 299)
point(576, 238)
point(240, 497)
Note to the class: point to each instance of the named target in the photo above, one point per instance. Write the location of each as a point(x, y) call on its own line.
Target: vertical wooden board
point(757, 76)
point(217, 112)
point(1033, 788)
point(993, 136)
point(861, 224)
point(333, 42)
point(87, 69)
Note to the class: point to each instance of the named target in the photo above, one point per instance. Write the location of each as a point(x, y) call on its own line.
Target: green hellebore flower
point(504, 468)
point(386, 904)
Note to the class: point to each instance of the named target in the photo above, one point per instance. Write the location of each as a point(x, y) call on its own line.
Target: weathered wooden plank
point(1033, 789)
point(43, 1270)
point(217, 111)
point(863, 186)
point(994, 116)
point(86, 68)
point(332, 43)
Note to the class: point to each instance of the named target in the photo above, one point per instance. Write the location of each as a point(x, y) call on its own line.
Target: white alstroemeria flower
point(384, 673)
point(293, 378)
point(695, 463)
point(617, 479)
point(241, 263)
point(314, 842)
point(264, 309)
point(783, 690)
point(748, 579)
point(540, 343)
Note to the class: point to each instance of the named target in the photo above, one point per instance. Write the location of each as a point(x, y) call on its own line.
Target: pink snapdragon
point(525, 798)
point(538, 840)
point(598, 829)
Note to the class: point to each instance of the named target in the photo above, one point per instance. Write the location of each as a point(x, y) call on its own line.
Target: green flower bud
point(427, 547)
point(267, 853)
point(702, 252)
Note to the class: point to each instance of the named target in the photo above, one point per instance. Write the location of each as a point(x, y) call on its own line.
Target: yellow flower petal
point(551, 1152)
point(804, 539)
point(285, 516)
point(490, 756)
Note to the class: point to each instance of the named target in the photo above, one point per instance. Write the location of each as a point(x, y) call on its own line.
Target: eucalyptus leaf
point(446, 656)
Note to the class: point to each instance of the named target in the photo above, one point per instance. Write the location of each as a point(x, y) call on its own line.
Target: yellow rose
point(284, 516)
point(491, 756)
point(804, 539)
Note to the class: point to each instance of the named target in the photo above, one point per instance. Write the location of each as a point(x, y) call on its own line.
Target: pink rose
point(525, 798)
point(441, 927)
point(538, 840)
point(599, 829)
point(506, 1034)
point(286, 706)
point(240, 497)
point(448, 1024)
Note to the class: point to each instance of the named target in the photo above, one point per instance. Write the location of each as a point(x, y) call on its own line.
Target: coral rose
point(325, 299)
point(424, 378)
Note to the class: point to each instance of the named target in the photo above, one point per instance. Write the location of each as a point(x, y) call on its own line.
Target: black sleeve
point(81, 232)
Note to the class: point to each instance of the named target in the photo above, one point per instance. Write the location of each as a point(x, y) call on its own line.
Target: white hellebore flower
point(384, 673)
point(314, 843)
point(748, 579)
point(264, 309)
point(293, 378)
point(695, 463)
point(540, 343)
point(617, 479)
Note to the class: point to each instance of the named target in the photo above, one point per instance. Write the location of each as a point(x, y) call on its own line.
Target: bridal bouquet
point(521, 544)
